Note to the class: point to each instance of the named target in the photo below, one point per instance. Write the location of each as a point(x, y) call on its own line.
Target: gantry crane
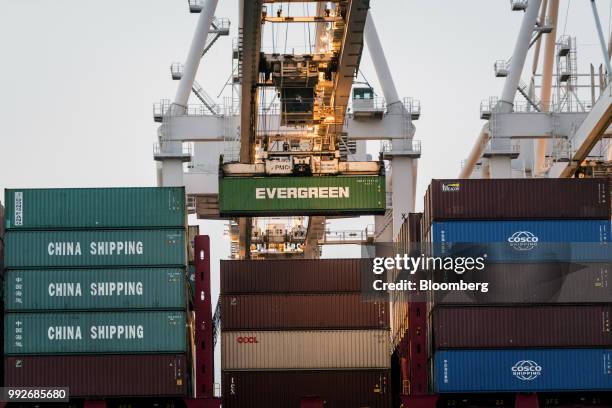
point(550, 134)
point(289, 117)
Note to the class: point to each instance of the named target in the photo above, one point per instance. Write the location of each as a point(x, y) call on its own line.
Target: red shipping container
point(302, 311)
point(285, 389)
point(101, 375)
point(293, 276)
point(478, 327)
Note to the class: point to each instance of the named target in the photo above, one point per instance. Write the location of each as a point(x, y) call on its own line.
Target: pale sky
point(78, 79)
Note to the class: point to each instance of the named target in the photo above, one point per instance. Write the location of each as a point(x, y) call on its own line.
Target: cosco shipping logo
point(526, 370)
point(523, 241)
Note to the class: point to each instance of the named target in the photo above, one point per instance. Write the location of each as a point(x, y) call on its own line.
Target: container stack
point(95, 291)
point(294, 329)
point(1, 279)
point(544, 325)
point(409, 322)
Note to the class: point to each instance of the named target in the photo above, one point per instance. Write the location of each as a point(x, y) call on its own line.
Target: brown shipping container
point(101, 375)
point(284, 389)
point(292, 276)
point(299, 311)
point(516, 199)
point(414, 227)
point(548, 283)
point(522, 326)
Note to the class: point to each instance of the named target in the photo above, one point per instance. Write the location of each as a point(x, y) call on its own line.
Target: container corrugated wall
point(95, 248)
point(523, 370)
point(293, 276)
point(546, 231)
point(81, 289)
point(318, 311)
point(320, 349)
point(302, 195)
point(522, 327)
point(95, 332)
point(284, 389)
point(89, 208)
point(102, 375)
point(529, 240)
point(549, 282)
point(516, 199)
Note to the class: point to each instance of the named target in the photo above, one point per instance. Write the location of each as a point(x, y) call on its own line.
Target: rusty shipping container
point(414, 227)
point(522, 326)
point(284, 389)
point(307, 349)
point(504, 199)
point(550, 282)
point(102, 375)
point(293, 276)
point(302, 311)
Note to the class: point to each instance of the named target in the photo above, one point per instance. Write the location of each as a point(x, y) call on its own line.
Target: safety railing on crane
point(161, 109)
point(348, 236)
point(220, 25)
point(404, 145)
point(545, 26)
point(413, 107)
point(172, 148)
point(487, 107)
point(195, 6)
point(564, 45)
point(519, 5)
point(502, 68)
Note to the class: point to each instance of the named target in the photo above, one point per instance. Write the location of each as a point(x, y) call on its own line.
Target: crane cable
point(566, 16)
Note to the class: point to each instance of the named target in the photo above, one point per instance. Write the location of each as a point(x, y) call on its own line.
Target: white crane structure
point(553, 133)
point(289, 113)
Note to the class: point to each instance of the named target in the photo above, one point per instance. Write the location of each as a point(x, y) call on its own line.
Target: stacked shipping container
point(298, 328)
point(409, 323)
point(537, 329)
point(1, 280)
point(95, 291)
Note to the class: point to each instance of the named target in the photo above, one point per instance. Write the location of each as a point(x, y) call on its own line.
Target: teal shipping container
point(95, 248)
point(78, 289)
point(99, 332)
point(89, 208)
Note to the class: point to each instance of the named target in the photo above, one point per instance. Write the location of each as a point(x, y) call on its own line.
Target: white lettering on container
point(283, 193)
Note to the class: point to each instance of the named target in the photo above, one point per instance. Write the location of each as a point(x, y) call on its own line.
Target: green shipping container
point(97, 248)
point(79, 289)
point(88, 208)
point(333, 195)
point(100, 332)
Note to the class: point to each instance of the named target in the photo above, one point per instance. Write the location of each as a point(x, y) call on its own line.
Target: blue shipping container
point(526, 240)
point(529, 370)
